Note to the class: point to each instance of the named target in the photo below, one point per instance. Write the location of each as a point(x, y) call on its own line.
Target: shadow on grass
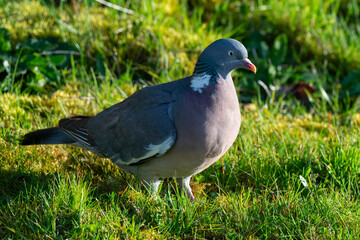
point(12, 183)
point(31, 201)
point(104, 176)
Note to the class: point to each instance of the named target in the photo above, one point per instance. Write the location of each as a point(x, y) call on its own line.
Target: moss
point(356, 119)
point(159, 36)
point(61, 103)
point(120, 38)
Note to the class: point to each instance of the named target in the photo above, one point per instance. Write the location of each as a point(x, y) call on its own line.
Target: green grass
point(160, 42)
point(253, 192)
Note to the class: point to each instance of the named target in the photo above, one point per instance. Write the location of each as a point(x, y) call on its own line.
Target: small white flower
point(6, 65)
point(303, 181)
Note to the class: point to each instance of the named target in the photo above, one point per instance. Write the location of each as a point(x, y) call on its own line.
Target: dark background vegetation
point(311, 42)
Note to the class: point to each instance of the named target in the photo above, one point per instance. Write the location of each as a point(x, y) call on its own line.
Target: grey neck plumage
point(206, 68)
point(205, 74)
point(202, 67)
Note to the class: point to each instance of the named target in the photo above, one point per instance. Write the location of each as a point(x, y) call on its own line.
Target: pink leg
point(184, 183)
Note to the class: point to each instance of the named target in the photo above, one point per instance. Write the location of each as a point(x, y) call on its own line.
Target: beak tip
point(255, 69)
point(249, 65)
point(252, 68)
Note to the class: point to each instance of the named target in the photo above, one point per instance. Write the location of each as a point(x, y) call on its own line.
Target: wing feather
point(130, 132)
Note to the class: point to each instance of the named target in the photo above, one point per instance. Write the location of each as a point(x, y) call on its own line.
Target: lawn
point(292, 173)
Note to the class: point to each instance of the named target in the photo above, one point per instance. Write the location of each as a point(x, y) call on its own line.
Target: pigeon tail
point(46, 136)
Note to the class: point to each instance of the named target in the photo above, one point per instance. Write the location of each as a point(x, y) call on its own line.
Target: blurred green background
point(298, 46)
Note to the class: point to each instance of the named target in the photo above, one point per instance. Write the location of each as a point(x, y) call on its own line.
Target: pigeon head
point(222, 57)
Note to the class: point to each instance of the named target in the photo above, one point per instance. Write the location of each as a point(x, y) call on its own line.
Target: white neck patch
point(200, 81)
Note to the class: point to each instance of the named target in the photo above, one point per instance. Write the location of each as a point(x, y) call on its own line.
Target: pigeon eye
point(230, 53)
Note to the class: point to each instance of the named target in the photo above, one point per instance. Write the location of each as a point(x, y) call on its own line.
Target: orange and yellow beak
point(249, 65)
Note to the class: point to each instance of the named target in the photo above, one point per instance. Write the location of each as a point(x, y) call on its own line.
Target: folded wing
point(130, 132)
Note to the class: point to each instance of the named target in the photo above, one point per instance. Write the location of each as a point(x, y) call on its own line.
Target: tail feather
point(46, 136)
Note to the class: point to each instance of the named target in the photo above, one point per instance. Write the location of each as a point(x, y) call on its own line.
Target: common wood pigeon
point(176, 129)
